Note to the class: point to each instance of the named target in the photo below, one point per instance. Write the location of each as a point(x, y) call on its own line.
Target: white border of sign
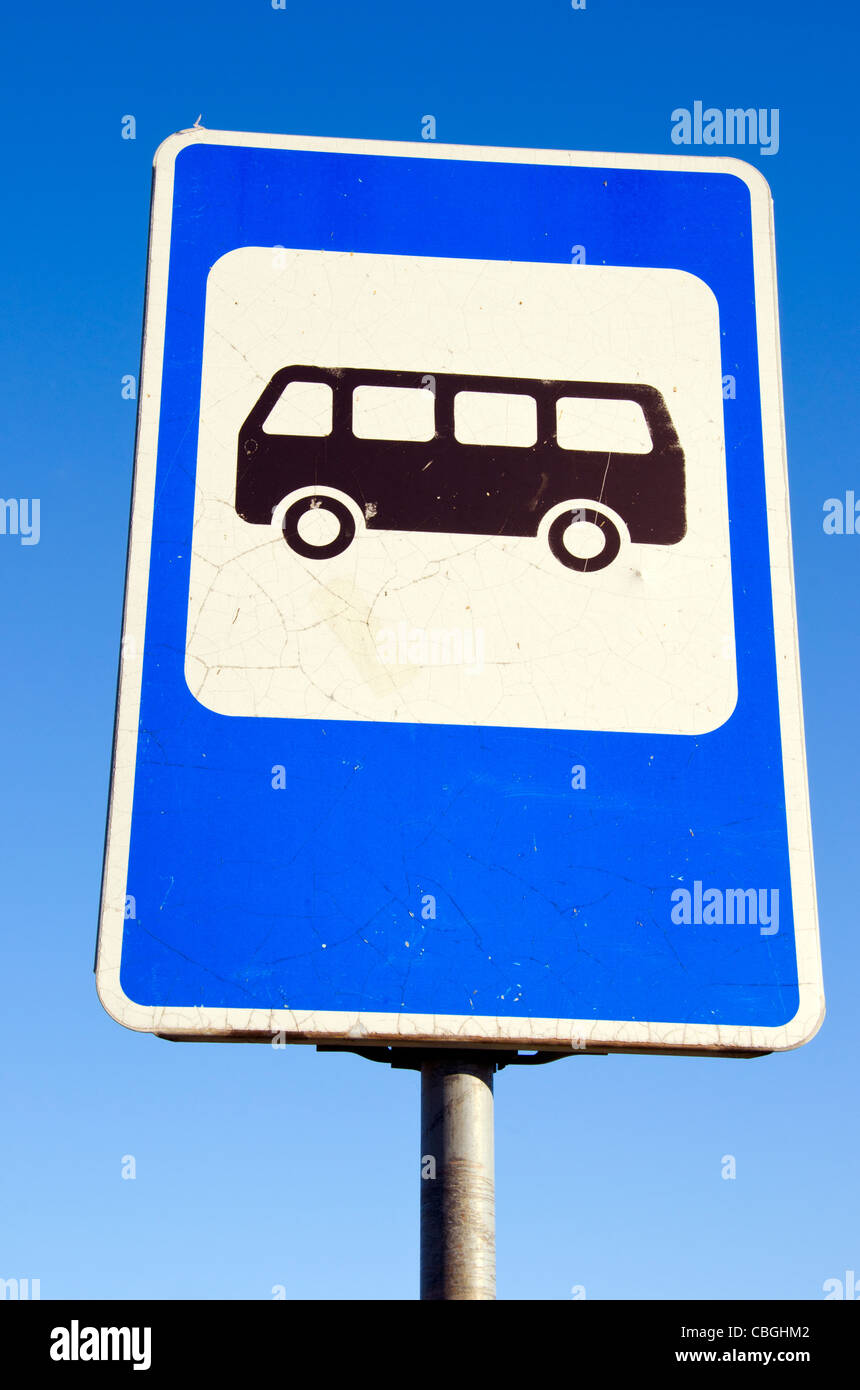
point(447, 1030)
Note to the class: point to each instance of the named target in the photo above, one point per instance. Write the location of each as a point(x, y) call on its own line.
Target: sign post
point(458, 1215)
point(459, 707)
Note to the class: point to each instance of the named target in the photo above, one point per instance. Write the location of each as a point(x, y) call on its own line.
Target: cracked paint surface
point(300, 909)
point(646, 645)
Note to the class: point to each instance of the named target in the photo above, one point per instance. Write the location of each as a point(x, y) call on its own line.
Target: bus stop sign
point(459, 698)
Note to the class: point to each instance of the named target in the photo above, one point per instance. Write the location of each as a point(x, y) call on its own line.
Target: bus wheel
point(584, 539)
point(318, 542)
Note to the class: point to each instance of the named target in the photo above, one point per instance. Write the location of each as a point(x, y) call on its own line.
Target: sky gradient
point(258, 1167)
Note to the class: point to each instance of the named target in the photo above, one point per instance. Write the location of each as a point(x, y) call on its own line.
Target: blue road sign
point(459, 696)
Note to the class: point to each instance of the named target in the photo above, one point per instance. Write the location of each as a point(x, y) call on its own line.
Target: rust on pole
point(458, 1221)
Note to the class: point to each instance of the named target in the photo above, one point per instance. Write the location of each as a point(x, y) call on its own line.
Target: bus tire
point(585, 564)
point(294, 514)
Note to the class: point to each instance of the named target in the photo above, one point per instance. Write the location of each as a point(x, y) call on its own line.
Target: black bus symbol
point(437, 475)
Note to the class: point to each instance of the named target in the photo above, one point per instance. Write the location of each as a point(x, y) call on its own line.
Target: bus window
point(602, 426)
point(492, 417)
point(303, 407)
point(393, 412)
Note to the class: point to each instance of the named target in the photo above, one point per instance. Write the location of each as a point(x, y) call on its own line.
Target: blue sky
point(258, 1167)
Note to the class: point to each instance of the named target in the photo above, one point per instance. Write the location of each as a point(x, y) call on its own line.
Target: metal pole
point(458, 1217)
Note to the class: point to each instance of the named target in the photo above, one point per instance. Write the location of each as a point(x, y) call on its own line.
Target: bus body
point(444, 485)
